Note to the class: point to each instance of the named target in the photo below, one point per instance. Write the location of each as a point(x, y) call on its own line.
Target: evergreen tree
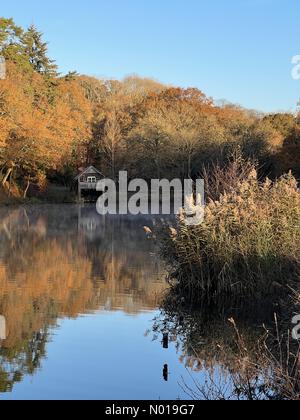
point(11, 47)
point(37, 51)
point(72, 75)
point(9, 34)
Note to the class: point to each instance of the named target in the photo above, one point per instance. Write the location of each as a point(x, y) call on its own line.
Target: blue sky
point(239, 50)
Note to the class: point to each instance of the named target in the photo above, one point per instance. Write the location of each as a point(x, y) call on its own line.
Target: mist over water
point(83, 312)
point(78, 291)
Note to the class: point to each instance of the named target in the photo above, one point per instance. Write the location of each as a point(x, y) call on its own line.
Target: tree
point(40, 133)
point(176, 128)
point(11, 47)
point(149, 147)
point(10, 35)
point(25, 48)
point(37, 52)
point(112, 143)
point(282, 122)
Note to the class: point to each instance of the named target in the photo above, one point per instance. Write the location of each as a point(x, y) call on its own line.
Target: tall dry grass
point(249, 243)
point(223, 178)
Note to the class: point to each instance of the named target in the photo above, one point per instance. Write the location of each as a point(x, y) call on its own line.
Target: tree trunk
point(9, 171)
point(189, 166)
point(26, 189)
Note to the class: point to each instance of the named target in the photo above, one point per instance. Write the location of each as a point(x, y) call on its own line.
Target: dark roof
point(91, 170)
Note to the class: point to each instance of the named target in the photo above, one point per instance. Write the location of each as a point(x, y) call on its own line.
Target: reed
point(248, 245)
point(267, 373)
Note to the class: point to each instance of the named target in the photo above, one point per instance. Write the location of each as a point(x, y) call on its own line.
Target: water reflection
point(233, 351)
point(166, 373)
point(205, 344)
point(63, 261)
point(78, 291)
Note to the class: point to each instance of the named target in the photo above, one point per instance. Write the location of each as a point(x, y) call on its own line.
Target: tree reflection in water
point(64, 261)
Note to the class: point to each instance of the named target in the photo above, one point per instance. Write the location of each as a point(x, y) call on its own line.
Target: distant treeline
point(51, 125)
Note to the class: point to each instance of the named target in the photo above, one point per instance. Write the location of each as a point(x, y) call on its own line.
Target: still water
point(79, 317)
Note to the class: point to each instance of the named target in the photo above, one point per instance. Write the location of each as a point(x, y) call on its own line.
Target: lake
point(79, 294)
point(86, 313)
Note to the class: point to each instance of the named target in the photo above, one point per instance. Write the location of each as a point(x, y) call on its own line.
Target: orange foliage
point(41, 121)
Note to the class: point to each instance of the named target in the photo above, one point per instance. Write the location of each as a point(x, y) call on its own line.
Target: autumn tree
point(50, 125)
point(40, 134)
point(112, 143)
point(118, 106)
point(176, 128)
point(283, 123)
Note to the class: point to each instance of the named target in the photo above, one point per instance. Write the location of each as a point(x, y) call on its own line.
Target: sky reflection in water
point(78, 293)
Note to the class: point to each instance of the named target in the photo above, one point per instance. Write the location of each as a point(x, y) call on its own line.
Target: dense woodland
point(53, 124)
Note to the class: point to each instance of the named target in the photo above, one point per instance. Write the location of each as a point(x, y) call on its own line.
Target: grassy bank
point(249, 243)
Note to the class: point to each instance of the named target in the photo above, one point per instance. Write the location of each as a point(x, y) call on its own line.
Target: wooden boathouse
point(87, 181)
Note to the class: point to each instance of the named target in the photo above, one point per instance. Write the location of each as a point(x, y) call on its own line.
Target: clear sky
point(239, 50)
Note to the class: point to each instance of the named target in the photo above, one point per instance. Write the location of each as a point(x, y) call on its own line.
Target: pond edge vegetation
point(247, 246)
